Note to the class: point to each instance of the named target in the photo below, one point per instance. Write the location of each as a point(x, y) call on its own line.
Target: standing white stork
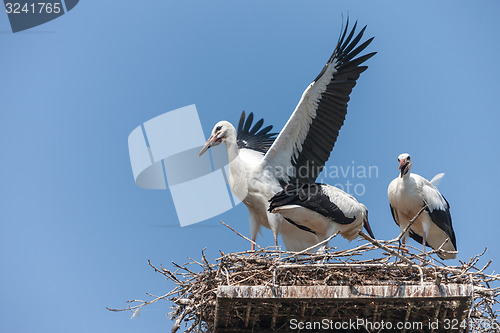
point(303, 146)
point(408, 193)
point(321, 209)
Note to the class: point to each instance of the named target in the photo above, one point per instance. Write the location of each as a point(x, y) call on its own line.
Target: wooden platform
point(283, 308)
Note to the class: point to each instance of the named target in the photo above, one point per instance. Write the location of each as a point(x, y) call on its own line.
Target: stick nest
point(372, 263)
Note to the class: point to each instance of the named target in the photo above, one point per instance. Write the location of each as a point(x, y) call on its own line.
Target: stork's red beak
point(208, 144)
point(402, 166)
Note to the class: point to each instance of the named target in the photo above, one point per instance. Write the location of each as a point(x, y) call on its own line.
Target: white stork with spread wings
point(303, 146)
point(408, 193)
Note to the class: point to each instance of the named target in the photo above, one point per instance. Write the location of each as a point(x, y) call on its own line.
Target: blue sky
point(76, 232)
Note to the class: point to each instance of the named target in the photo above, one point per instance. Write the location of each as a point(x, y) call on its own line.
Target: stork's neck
point(407, 182)
point(231, 145)
point(406, 177)
point(238, 179)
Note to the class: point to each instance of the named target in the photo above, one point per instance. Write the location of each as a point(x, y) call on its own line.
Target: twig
point(385, 248)
point(248, 239)
point(314, 246)
point(405, 230)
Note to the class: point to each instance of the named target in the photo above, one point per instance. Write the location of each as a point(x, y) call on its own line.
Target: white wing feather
point(430, 194)
point(289, 141)
point(436, 180)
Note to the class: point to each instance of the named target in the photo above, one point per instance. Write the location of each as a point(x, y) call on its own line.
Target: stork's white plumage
point(408, 193)
point(322, 210)
point(303, 146)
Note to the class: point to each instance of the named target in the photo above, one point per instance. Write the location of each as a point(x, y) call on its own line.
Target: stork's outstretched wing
point(304, 145)
point(254, 138)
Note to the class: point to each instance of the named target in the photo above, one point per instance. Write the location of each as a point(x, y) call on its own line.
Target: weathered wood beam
point(428, 291)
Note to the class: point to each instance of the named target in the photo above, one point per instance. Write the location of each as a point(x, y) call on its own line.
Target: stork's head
point(219, 134)
point(404, 163)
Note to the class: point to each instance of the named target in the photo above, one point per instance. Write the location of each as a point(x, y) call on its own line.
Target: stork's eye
point(218, 128)
point(398, 160)
point(408, 158)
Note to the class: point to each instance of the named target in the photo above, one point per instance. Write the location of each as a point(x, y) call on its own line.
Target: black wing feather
point(248, 122)
point(442, 218)
point(241, 122)
point(300, 226)
point(265, 130)
point(394, 213)
point(257, 126)
point(311, 197)
point(256, 139)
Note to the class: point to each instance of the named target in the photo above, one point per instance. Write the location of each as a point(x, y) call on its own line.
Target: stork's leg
point(254, 228)
point(424, 240)
point(402, 240)
point(275, 235)
point(402, 243)
point(322, 250)
point(274, 221)
point(425, 232)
